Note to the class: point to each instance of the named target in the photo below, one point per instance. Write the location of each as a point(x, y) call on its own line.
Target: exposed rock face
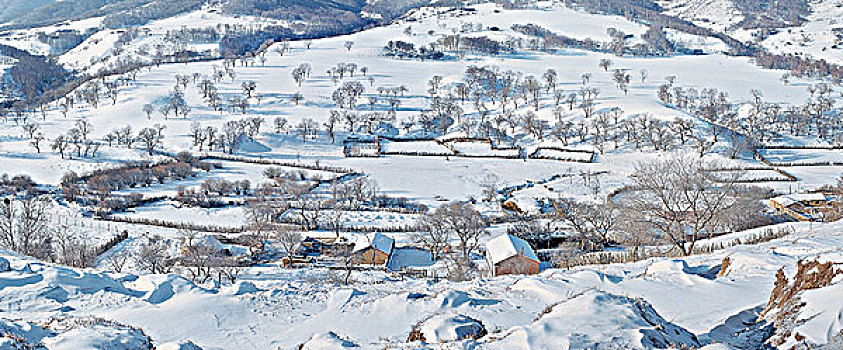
point(795, 304)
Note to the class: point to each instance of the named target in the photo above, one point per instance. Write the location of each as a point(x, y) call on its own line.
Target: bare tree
point(31, 128)
point(489, 184)
point(25, 226)
point(586, 77)
point(676, 199)
point(297, 98)
point(60, 145)
point(36, 141)
point(550, 78)
point(71, 248)
point(573, 214)
point(605, 64)
point(151, 138)
point(261, 213)
point(463, 223)
point(433, 235)
point(154, 256)
point(288, 237)
point(199, 258)
point(85, 127)
point(118, 260)
point(249, 87)
point(588, 95)
point(348, 261)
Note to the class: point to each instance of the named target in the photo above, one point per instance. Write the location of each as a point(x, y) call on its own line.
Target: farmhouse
point(374, 249)
point(508, 254)
point(801, 206)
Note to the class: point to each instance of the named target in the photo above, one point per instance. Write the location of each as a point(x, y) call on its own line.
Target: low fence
point(644, 253)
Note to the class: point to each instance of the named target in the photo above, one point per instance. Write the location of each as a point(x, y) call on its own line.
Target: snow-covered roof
point(375, 240)
point(784, 201)
point(408, 257)
point(506, 246)
point(791, 199)
point(807, 197)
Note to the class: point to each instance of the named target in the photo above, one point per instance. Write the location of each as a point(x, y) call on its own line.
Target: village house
point(374, 249)
point(510, 255)
point(801, 206)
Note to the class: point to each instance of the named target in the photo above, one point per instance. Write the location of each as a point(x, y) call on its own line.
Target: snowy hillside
point(640, 305)
point(273, 174)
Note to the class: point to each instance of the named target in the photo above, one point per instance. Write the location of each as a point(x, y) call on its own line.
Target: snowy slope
point(821, 37)
point(639, 305)
point(719, 15)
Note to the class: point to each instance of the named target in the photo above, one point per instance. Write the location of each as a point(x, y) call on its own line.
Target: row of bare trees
point(673, 200)
point(27, 227)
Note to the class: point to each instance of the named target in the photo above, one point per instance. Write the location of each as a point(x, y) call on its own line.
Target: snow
point(704, 44)
point(821, 318)
point(506, 246)
point(373, 219)
point(790, 199)
point(449, 328)
point(816, 37)
point(796, 157)
point(163, 288)
point(285, 308)
point(638, 304)
point(181, 345)
point(482, 149)
point(375, 240)
point(172, 212)
point(450, 178)
point(327, 341)
point(588, 320)
point(409, 257)
point(562, 20)
point(719, 15)
point(97, 337)
point(415, 147)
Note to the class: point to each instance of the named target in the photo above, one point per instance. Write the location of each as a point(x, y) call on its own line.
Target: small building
point(510, 255)
point(374, 249)
point(361, 147)
point(801, 206)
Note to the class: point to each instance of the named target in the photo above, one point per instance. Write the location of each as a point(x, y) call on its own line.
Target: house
point(801, 206)
point(374, 249)
point(507, 255)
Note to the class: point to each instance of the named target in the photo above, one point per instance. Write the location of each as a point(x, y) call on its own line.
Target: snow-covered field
point(796, 157)
point(820, 37)
point(274, 84)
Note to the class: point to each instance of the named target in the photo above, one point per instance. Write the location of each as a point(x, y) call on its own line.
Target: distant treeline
point(32, 77)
